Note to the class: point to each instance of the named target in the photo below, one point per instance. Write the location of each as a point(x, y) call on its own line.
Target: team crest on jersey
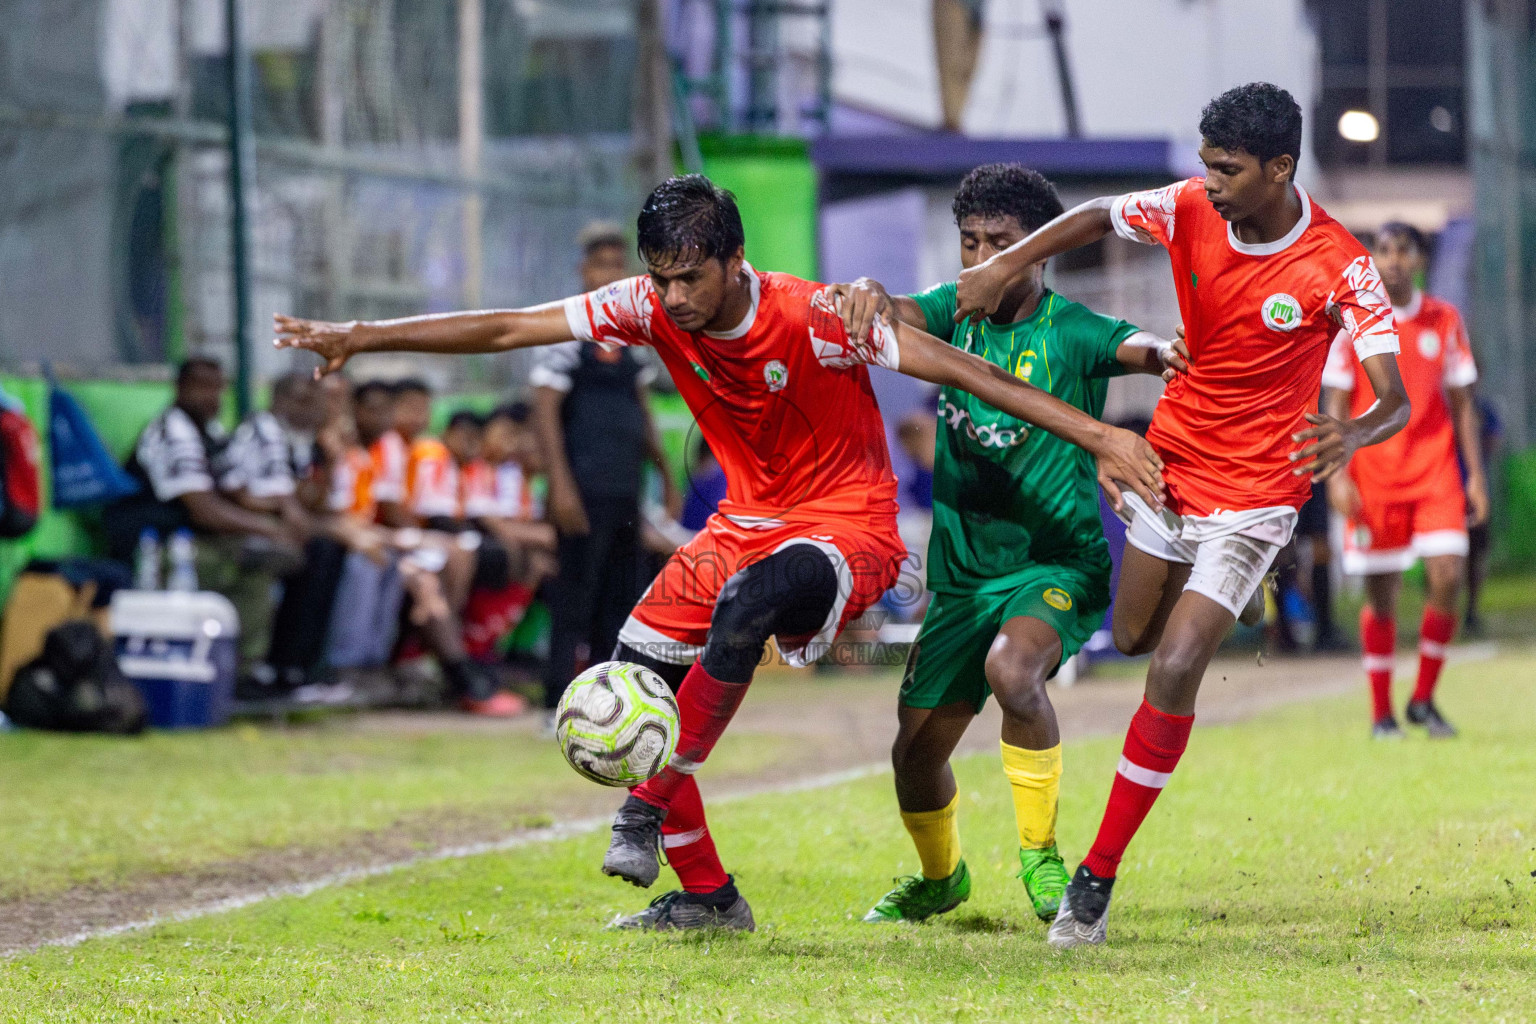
point(776, 375)
point(1281, 312)
point(1429, 344)
point(1058, 599)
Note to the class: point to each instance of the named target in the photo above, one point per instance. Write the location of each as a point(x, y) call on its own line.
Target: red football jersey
point(1258, 320)
point(1421, 458)
point(432, 480)
point(784, 400)
point(390, 458)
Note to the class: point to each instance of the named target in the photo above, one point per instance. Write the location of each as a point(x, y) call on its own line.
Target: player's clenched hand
point(1125, 459)
point(1326, 446)
point(979, 290)
point(1477, 499)
point(330, 341)
point(859, 302)
point(1175, 356)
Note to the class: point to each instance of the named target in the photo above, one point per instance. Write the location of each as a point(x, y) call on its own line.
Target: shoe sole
point(1072, 941)
point(636, 879)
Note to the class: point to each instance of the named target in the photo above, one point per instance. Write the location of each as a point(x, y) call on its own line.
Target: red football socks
point(1378, 638)
point(685, 838)
point(1153, 745)
point(705, 706)
point(1434, 633)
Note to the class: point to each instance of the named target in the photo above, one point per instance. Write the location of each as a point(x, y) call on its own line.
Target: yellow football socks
point(1036, 779)
point(936, 834)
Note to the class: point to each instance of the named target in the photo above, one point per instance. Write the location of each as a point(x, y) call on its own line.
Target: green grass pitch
point(1293, 870)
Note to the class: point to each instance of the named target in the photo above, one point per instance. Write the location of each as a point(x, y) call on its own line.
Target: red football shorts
point(1389, 536)
point(671, 621)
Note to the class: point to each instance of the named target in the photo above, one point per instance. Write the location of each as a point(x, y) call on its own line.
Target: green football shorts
point(947, 663)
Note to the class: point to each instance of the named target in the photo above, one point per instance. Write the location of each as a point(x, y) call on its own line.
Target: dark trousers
point(599, 582)
point(303, 616)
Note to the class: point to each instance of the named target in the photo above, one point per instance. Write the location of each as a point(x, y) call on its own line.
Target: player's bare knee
point(1130, 641)
point(1019, 685)
point(1177, 665)
point(1443, 579)
point(907, 755)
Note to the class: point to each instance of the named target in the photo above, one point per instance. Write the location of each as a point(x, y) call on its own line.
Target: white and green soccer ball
point(617, 723)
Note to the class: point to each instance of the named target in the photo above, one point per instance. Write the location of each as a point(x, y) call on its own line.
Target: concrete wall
point(1141, 67)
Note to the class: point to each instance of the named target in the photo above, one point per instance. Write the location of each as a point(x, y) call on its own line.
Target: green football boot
point(916, 898)
point(1045, 879)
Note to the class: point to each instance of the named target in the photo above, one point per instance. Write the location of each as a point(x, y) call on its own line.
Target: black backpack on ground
point(75, 686)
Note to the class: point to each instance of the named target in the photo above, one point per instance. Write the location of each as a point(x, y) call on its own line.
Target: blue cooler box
point(179, 649)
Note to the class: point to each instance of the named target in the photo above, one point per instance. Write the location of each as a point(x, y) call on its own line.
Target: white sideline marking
point(546, 834)
point(1472, 652)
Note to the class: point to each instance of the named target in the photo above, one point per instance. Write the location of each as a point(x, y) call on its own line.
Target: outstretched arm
point(1334, 441)
point(497, 330)
point(1123, 457)
point(982, 287)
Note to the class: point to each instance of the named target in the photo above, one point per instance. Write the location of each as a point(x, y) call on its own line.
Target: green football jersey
point(1008, 497)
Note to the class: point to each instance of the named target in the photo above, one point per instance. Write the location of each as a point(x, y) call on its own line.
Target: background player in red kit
point(1405, 499)
point(805, 539)
point(1265, 279)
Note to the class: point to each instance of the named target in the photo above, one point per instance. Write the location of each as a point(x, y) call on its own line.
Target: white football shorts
point(1230, 551)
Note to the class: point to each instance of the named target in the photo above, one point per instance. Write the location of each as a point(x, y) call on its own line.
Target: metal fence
point(408, 156)
point(1502, 44)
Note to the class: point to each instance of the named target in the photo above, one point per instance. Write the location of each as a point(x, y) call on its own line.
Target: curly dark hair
point(465, 418)
point(369, 388)
point(1402, 229)
point(412, 386)
point(1257, 118)
point(689, 218)
point(1007, 190)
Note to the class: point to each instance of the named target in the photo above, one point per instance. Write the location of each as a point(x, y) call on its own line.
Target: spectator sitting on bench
point(273, 468)
point(497, 498)
point(181, 460)
point(372, 491)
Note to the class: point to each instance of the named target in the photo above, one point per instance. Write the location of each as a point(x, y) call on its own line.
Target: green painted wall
point(120, 410)
point(775, 187)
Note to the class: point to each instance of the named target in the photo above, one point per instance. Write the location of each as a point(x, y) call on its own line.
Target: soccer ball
point(617, 723)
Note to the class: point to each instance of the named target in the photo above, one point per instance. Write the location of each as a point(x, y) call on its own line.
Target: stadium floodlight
point(1359, 126)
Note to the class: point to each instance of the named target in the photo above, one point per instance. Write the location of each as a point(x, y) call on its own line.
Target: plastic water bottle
point(146, 571)
point(183, 562)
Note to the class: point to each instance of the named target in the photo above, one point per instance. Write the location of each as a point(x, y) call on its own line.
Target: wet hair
point(1404, 230)
point(412, 386)
point(1257, 118)
point(1007, 190)
point(369, 388)
point(517, 412)
point(190, 365)
point(465, 418)
point(689, 219)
